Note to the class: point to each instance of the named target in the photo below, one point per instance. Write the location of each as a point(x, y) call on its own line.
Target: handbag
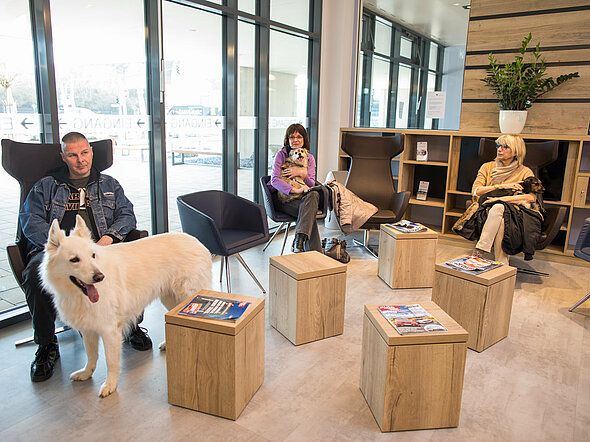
point(336, 249)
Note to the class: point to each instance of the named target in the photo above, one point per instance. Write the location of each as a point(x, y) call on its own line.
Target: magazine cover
point(473, 264)
point(214, 308)
point(407, 226)
point(411, 318)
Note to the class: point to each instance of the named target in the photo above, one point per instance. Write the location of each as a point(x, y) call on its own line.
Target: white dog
point(101, 290)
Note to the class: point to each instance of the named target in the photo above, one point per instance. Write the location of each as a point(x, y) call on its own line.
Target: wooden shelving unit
point(451, 162)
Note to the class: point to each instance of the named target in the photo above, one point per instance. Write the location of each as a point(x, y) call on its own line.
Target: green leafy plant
point(518, 85)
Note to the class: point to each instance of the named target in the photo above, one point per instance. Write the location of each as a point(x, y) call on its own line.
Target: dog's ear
point(55, 237)
point(81, 229)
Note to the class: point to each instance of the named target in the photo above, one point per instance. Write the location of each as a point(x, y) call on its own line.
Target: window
point(391, 91)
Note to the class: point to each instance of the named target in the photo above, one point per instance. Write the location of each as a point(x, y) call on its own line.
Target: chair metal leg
point(250, 272)
point(365, 244)
point(585, 298)
point(227, 274)
point(275, 234)
point(221, 271)
point(31, 339)
point(531, 272)
point(285, 238)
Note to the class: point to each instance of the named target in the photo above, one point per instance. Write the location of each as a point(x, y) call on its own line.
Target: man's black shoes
point(139, 339)
point(44, 363)
point(300, 239)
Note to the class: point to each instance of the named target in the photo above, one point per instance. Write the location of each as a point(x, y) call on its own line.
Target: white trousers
point(493, 232)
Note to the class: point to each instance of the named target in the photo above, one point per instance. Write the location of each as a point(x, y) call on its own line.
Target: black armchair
point(370, 178)
point(281, 217)
point(582, 250)
point(225, 223)
point(28, 163)
point(539, 154)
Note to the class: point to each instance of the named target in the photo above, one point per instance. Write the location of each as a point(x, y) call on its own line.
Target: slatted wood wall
point(563, 29)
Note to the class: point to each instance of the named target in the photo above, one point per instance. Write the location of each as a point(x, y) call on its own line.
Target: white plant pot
point(511, 121)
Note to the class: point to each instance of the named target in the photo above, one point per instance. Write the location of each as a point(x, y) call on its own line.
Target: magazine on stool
point(407, 226)
point(411, 318)
point(214, 308)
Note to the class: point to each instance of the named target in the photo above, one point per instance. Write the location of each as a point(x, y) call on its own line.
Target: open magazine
point(472, 264)
point(411, 318)
point(407, 226)
point(214, 308)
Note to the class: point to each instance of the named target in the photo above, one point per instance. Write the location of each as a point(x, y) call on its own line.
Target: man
point(76, 188)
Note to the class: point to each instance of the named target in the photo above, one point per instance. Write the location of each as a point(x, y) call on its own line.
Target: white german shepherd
point(101, 290)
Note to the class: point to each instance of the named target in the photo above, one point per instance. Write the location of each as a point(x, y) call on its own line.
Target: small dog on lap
point(296, 158)
point(529, 185)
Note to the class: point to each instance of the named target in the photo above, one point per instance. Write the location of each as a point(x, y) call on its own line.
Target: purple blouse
point(275, 177)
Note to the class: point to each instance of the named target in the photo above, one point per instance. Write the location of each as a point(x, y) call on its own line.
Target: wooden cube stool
point(481, 303)
point(413, 381)
point(306, 296)
point(215, 366)
point(406, 260)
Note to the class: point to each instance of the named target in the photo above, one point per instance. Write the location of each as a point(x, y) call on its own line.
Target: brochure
point(422, 190)
point(214, 308)
point(407, 226)
point(411, 318)
point(472, 264)
point(422, 151)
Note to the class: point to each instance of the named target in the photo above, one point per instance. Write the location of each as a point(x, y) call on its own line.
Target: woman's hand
point(297, 191)
point(293, 172)
point(511, 186)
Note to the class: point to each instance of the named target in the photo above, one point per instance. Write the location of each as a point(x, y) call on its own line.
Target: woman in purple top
point(307, 236)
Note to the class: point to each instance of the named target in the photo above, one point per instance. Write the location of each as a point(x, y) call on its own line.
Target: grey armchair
point(371, 179)
point(225, 223)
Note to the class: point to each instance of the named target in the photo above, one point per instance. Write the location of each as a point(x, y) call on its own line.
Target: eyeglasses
point(295, 137)
point(503, 146)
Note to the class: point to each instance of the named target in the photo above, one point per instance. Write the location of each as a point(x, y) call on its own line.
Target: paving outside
point(133, 174)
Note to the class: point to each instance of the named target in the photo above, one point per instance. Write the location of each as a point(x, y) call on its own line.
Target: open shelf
point(434, 202)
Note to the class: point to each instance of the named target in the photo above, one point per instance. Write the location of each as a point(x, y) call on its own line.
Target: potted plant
point(518, 85)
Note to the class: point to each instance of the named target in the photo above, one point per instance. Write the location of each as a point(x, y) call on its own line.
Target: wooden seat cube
point(406, 260)
point(215, 366)
point(413, 381)
point(306, 296)
point(481, 303)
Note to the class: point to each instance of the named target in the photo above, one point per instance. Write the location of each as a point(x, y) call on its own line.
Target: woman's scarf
point(500, 173)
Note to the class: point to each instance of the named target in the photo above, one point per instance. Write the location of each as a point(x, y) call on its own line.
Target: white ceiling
point(444, 21)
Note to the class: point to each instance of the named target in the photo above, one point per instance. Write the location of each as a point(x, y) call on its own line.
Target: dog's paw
point(162, 346)
point(81, 375)
point(107, 388)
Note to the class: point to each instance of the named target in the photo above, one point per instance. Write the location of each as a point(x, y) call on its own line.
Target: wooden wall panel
point(575, 88)
point(566, 28)
point(572, 56)
point(542, 118)
point(494, 7)
point(500, 25)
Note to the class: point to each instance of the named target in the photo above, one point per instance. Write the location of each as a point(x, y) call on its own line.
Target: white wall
point(337, 78)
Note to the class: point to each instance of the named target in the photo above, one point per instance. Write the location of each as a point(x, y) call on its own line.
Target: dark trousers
point(305, 210)
point(40, 302)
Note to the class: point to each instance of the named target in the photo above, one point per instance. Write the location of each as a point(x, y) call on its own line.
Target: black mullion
point(424, 48)
point(261, 71)
point(229, 159)
point(44, 70)
point(157, 111)
point(313, 75)
point(394, 77)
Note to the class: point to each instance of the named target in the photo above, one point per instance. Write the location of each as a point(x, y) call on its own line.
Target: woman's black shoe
point(45, 357)
point(298, 243)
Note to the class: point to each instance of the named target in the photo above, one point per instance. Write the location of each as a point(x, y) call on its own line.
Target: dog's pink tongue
point(92, 293)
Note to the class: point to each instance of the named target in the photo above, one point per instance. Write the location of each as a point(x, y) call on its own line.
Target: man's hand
point(106, 240)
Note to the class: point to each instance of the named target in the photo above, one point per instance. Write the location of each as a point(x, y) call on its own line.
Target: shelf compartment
point(433, 202)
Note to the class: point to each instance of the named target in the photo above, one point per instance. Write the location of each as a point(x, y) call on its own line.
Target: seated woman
point(303, 203)
point(511, 223)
